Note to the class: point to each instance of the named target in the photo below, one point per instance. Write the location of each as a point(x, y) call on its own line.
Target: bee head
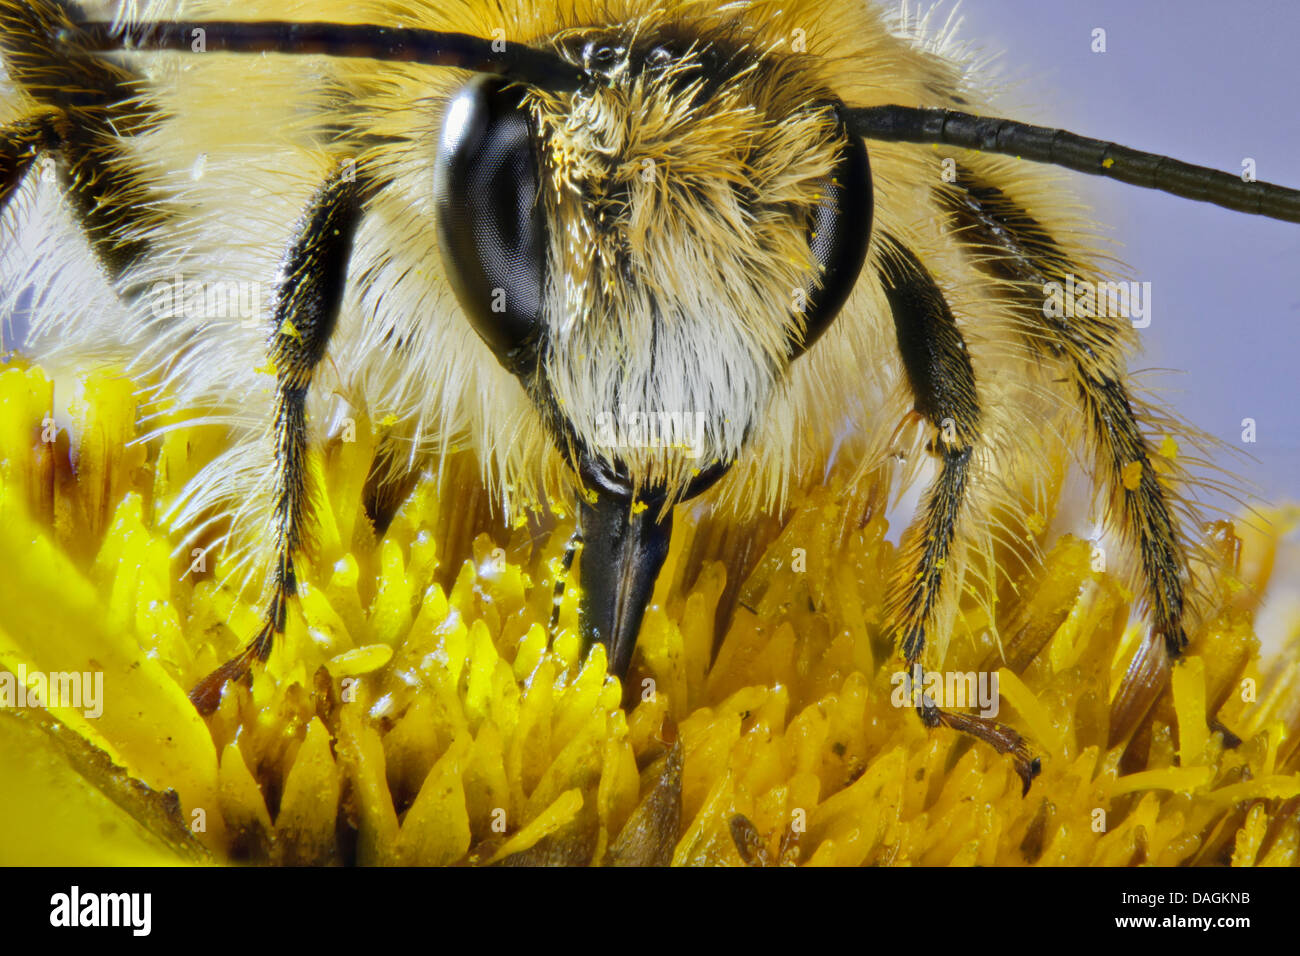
point(649, 253)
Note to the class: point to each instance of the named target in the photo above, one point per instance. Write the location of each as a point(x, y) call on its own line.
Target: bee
point(630, 254)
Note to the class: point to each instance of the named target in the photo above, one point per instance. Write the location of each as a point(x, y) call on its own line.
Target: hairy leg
point(308, 300)
point(1017, 251)
point(942, 382)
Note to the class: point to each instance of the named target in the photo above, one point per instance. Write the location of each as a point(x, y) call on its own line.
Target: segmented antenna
point(515, 61)
point(549, 71)
point(987, 134)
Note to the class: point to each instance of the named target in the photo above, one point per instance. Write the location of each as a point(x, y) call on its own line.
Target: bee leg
point(1147, 520)
point(21, 142)
point(1122, 456)
point(942, 381)
point(313, 269)
point(86, 106)
point(106, 216)
point(571, 550)
point(1017, 251)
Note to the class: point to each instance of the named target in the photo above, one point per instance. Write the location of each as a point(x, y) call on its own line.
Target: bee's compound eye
point(490, 222)
point(838, 235)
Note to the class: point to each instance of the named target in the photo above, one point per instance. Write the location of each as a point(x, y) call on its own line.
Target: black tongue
point(623, 549)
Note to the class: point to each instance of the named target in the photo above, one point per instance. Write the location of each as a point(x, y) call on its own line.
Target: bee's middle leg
point(942, 381)
point(311, 290)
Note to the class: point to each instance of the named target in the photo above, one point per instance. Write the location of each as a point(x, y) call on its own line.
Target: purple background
point(1209, 83)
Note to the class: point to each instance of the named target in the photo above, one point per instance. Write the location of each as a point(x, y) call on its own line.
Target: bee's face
point(649, 253)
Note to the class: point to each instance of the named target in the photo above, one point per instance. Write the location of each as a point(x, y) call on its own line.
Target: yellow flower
point(417, 712)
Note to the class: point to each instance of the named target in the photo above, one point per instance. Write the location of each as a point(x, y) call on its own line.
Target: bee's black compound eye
point(490, 222)
point(838, 235)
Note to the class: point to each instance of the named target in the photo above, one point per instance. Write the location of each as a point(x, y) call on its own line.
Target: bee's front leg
point(21, 142)
point(308, 300)
point(942, 381)
point(82, 106)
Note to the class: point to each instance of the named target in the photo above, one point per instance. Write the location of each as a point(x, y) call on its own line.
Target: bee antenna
point(987, 134)
point(516, 61)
